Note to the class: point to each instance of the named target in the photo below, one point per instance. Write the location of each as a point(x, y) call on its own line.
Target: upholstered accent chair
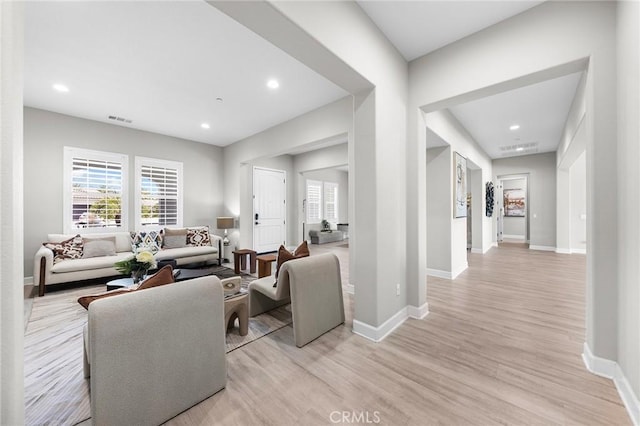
point(313, 286)
point(152, 354)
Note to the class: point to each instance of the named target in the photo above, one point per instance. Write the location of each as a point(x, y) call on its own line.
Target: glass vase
point(138, 276)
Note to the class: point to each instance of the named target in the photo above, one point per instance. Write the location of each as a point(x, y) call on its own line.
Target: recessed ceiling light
point(61, 88)
point(514, 127)
point(219, 99)
point(205, 126)
point(273, 84)
point(519, 148)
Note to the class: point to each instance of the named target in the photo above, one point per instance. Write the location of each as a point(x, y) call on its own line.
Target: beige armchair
point(313, 286)
point(152, 354)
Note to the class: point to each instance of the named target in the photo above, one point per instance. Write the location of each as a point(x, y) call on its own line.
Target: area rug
point(56, 392)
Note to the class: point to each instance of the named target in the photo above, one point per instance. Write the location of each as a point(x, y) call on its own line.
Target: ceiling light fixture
point(514, 127)
point(60, 87)
point(273, 84)
point(219, 99)
point(205, 126)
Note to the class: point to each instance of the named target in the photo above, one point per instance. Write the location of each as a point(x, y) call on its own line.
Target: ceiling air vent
point(119, 119)
point(519, 149)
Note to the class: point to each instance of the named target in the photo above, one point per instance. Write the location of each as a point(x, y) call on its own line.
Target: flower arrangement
point(138, 265)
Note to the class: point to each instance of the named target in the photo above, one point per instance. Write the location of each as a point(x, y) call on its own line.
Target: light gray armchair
point(152, 354)
point(313, 286)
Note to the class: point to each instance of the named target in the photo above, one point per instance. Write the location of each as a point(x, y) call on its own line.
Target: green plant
point(142, 261)
point(326, 226)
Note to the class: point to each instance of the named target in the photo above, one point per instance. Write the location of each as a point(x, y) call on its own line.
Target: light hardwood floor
point(502, 345)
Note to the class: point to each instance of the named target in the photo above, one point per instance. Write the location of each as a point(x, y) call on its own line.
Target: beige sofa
point(154, 353)
point(45, 272)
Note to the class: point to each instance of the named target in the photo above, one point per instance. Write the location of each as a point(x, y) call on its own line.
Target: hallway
point(501, 345)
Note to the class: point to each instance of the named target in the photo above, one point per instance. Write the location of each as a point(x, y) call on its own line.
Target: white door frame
point(253, 206)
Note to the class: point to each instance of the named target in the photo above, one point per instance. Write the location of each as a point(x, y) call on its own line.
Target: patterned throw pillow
point(198, 237)
point(150, 240)
point(68, 249)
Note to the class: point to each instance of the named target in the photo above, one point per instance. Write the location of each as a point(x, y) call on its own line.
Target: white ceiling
point(419, 27)
point(162, 65)
point(539, 109)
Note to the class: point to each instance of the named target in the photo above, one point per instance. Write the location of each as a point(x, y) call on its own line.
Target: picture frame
point(514, 202)
point(459, 186)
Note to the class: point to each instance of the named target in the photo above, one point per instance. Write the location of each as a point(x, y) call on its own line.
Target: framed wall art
point(460, 186)
point(514, 202)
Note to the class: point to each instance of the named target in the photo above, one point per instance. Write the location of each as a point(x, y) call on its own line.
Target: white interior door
point(269, 209)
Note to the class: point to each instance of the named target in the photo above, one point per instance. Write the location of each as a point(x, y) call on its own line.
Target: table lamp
point(225, 223)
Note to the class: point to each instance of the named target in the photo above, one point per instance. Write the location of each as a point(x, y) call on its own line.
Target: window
point(331, 202)
point(95, 195)
point(314, 201)
point(158, 193)
point(322, 201)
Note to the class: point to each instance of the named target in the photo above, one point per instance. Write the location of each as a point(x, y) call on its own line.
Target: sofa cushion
point(91, 263)
point(123, 239)
point(198, 236)
point(67, 249)
point(177, 253)
point(284, 255)
point(174, 238)
point(96, 247)
point(151, 240)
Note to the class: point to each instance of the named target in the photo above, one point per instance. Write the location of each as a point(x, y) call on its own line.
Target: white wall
point(11, 218)
point(339, 40)
point(541, 193)
point(578, 197)
point(515, 227)
point(326, 123)
point(439, 211)
point(449, 129)
point(45, 135)
point(628, 205)
point(549, 40)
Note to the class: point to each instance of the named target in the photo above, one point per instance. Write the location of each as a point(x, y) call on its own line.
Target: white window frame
point(141, 162)
point(69, 154)
point(311, 182)
point(325, 187)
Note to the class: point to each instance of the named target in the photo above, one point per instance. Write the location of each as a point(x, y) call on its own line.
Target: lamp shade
point(225, 222)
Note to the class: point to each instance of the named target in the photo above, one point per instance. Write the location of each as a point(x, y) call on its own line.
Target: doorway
point(512, 199)
point(269, 209)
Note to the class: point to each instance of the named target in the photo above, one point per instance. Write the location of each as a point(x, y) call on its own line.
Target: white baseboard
point(460, 270)
point(377, 334)
point(578, 251)
point(28, 280)
point(350, 289)
point(494, 244)
point(439, 274)
point(477, 251)
point(611, 370)
point(514, 237)
point(418, 312)
point(563, 250)
point(542, 248)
